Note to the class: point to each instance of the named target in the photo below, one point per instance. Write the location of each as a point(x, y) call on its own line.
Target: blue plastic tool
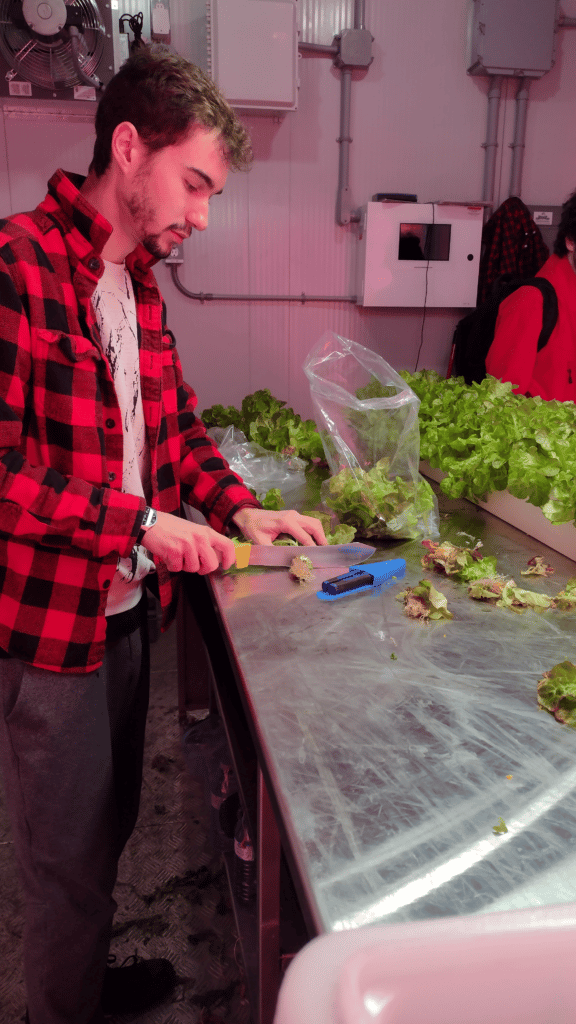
point(362, 577)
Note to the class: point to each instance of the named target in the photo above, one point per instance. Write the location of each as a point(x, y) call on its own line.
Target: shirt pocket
point(66, 378)
point(63, 347)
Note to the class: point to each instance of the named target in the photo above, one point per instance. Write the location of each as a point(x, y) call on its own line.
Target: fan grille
point(48, 63)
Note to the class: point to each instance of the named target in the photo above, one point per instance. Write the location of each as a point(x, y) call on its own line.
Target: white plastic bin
point(514, 967)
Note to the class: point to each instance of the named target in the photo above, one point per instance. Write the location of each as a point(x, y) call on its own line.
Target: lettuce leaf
point(486, 438)
point(424, 602)
point(557, 693)
point(518, 599)
point(273, 500)
point(566, 599)
point(537, 567)
point(269, 422)
point(377, 505)
point(463, 564)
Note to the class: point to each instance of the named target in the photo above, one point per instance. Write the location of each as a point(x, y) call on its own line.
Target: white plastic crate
point(511, 967)
point(524, 516)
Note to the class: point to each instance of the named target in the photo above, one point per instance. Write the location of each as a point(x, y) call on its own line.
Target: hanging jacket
point(511, 244)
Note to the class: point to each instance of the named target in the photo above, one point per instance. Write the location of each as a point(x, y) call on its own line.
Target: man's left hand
point(262, 526)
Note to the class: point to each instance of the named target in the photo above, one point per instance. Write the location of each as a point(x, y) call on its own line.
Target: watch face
point(149, 518)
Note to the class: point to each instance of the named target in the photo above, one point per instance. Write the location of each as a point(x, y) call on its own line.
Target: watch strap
point(148, 519)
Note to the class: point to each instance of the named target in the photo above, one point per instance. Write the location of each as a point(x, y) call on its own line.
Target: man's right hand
point(186, 546)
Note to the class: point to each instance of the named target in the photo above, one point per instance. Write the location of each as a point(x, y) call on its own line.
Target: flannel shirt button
point(112, 475)
point(106, 584)
point(109, 424)
point(94, 264)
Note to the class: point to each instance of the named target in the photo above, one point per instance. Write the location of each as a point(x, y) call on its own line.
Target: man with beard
point(99, 446)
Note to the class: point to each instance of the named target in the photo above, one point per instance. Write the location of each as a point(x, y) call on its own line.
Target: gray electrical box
point(512, 37)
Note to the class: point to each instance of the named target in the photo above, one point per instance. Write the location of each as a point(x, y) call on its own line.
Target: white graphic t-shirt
point(115, 310)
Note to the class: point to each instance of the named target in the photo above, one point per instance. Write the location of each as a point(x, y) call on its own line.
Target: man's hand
point(263, 527)
point(182, 545)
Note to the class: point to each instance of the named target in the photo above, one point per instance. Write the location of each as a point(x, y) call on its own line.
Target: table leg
point(268, 873)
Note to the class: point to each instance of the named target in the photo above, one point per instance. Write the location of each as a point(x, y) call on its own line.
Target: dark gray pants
point(71, 750)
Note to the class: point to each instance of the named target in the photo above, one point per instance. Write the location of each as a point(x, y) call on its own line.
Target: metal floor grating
point(172, 891)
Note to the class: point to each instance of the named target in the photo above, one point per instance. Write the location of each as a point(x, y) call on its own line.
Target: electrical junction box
point(419, 254)
point(253, 53)
point(512, 37)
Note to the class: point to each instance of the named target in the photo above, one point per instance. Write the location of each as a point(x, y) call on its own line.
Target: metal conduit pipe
point(491, 144)
point(343, 212)
point(318, 48)
point(360, 59)
point(518, 145)
point(207, 296)
point(359, 9)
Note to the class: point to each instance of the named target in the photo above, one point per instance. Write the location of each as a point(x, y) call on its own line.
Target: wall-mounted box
point(547, 219)
point(512, 37)
point(253, 52)
point(419, 254)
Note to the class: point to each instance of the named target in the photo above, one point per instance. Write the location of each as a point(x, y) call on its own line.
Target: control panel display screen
point(424, 242)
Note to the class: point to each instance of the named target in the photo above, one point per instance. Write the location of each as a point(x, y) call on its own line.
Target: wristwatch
point(149, 518)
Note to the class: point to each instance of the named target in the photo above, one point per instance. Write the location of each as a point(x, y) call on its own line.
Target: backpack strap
point(549, 307)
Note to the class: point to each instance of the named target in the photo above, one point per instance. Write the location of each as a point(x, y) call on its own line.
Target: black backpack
point(475, 333)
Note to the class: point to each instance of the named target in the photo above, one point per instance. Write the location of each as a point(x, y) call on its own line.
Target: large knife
point(321, 555)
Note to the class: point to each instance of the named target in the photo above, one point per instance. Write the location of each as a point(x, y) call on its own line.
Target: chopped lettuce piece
point(464, 564)
point(518, 600)
point(507, 594)
point(424, 602)
point(537, 567)
point(557, 693)
point(487, 589)
point(500, 828)
point(302, 569)
point(566, 599)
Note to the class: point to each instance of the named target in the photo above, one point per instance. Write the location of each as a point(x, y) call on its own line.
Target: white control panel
point(419, 254)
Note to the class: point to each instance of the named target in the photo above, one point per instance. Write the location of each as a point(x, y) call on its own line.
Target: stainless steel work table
point(386, 775)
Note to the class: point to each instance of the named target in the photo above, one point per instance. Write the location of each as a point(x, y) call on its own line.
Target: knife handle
point(242, 555)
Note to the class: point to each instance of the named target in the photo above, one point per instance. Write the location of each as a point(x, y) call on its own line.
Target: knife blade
point(321, 555)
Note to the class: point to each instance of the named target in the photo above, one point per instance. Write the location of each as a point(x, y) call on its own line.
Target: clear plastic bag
point(368, 420)
point(259, 468)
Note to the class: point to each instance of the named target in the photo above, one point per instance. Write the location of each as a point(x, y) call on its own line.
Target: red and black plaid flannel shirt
point(64, 519)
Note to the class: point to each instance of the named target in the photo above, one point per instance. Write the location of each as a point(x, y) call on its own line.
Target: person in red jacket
point(99, 446)
point(513, 355)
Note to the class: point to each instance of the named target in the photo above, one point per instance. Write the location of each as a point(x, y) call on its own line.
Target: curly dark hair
point(566, 227)
point(163, 96)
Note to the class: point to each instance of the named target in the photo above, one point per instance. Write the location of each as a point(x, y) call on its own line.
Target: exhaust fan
point(57, 49)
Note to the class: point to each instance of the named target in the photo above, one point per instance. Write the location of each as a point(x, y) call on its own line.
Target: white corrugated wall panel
point(417, 124)
point(280, 235)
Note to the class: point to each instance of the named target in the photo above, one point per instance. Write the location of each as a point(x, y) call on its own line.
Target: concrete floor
point(172, 891)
